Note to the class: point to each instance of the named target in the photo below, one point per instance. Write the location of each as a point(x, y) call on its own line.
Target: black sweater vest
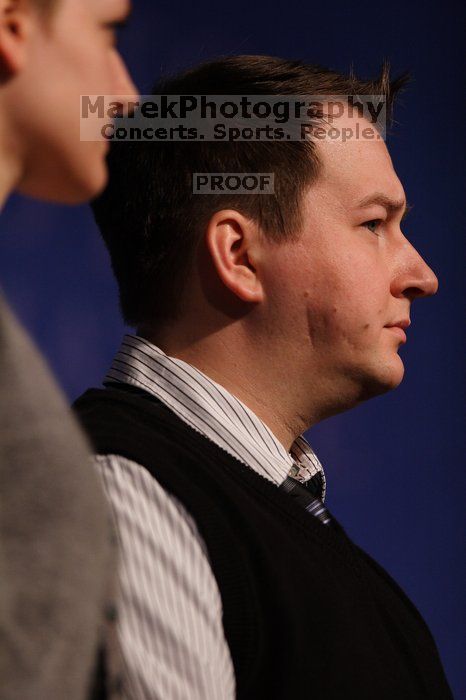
point(306, 612)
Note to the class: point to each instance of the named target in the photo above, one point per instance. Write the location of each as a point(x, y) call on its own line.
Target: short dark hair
point(149, 218)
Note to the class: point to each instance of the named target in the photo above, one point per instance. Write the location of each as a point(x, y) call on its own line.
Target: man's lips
point(398, 331)
point(398, 328)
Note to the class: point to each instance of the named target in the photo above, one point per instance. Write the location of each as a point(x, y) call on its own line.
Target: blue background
point(394, 468)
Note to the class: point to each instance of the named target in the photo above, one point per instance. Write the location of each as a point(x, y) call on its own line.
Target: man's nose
point(123, 83)
point(414, 278)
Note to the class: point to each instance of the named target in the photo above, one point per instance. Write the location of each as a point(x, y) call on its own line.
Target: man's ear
point(16, 17)
point(233, 242)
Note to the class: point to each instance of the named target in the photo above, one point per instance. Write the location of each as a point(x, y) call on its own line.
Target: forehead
point(354, 168)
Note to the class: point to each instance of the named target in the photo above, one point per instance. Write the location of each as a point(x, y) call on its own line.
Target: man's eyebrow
point(391, 205)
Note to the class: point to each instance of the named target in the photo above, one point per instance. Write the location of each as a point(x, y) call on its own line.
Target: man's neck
point(268, 393)
point(10, 164)
point(6, 187)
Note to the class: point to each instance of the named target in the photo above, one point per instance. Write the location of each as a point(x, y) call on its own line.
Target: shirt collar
point(213, 411)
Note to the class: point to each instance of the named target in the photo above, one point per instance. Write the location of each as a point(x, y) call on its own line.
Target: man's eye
point(372, 225)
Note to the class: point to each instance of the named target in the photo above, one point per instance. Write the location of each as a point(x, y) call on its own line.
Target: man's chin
point(67, 176)
point(383, 380)
point(73, 188)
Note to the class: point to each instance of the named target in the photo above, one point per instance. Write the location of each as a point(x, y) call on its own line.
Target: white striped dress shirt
point(170, 621)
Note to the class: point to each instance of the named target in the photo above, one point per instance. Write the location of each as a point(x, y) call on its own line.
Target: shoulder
point(171, 609)
point(139, 501)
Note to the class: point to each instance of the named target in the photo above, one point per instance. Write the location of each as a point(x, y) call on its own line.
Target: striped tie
point(306, 498)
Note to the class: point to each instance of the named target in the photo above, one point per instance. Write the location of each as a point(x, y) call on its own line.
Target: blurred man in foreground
point(56, 558)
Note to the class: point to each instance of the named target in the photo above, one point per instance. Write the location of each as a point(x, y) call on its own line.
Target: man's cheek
point(352, 327)
point(326, 323)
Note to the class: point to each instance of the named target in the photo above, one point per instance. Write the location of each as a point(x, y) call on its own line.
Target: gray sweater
point(56, 560)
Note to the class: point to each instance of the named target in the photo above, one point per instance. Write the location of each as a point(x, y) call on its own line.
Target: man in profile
point(256, 317)
point(56, 559)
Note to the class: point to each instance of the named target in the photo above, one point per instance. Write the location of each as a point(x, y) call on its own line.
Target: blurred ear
point(16, 22)
point(233, 243)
